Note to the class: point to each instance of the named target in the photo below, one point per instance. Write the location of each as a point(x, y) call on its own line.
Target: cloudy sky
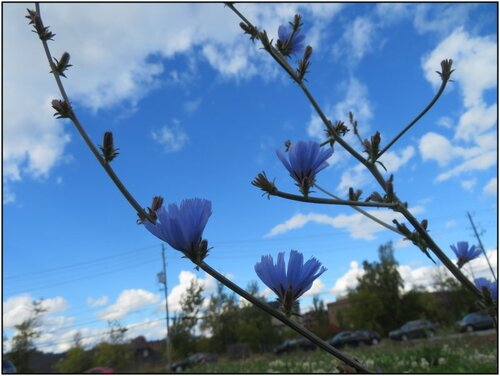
point(197, 110)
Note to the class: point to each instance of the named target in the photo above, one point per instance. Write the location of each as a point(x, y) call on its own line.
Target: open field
point(467, 354)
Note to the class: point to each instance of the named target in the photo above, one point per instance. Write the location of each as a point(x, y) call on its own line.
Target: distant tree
point(454, 300)
point(23, 346)
point(254, 327)
point(320, 323)
point(375, 303)
point(76, 359)
point(221, 319)
point(114, 352)
point(182, 331)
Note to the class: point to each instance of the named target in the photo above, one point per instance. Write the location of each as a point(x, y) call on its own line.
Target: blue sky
point(197, 110)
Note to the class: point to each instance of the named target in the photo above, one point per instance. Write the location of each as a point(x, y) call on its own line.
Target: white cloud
point(116, 65)
point(445, 122)
point(450, 224)
point(316, 288)
point(440, 18)
point(436, 147)
point(185, 278)
point(481, 162)
point(355, 100)
point(469, 184)
point(348, 281)
point(19, 308)
point(414, 276)
point(357, 225)
point(128, 301)
point(491, 187)
point(357, 40)
point(172, 138)
point(98, 302)
point(192, 106)
point(393, 162)
point(475, 121)
point(474, 61)
point(355, 177)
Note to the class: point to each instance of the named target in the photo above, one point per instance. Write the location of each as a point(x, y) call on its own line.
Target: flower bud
point(446, 70)
point(63, 109)
point(263, 183)
point(62, 64)
point(108, 150)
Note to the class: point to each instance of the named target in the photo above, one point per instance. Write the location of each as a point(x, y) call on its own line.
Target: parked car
point(414, 329)
point(295, 344)
point(476, 321)
point(8, 367)
point(356, 338)
point(193, 360)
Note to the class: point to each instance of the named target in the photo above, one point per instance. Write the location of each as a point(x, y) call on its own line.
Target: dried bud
point(63, 109)
point(340, 128)
point(108, 150)
point(354, 196)
point(157, 203)
point(31, 16)
point(62, 64)
point(376, 140)
point(263, 183)
point(42, 31)
point(288, 143)
point(446, 70)
point(403, 229)
point(304, 63)
point(296, 22)
point(249, 29)
point(424, 224)
point(375, 196)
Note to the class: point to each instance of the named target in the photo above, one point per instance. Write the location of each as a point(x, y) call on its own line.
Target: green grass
point(470, 354)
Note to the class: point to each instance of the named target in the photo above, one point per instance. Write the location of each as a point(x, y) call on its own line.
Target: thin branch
point(86, 138)
point(365, 213)
point(424, 111)
point(378, 176)
point(319, 200)
point(280, 316)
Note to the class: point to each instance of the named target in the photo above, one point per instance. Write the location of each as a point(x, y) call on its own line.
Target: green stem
point(86, 138)
point(284, 319)
point(365, 213)
point(318, 200)
point(429, 106)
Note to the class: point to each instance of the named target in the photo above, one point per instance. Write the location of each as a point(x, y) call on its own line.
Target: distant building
point(334, 310)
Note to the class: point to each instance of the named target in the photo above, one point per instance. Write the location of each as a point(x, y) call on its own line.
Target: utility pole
point(481, 245)
point(162, 278)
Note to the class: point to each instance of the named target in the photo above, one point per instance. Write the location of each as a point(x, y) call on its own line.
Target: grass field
point(468, 354)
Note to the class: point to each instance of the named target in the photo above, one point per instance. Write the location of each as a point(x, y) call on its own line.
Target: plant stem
point(318, 200)
point(378, 176)
point(280, 316)
point(429, 106)
point(86, 138)
point(365, 213)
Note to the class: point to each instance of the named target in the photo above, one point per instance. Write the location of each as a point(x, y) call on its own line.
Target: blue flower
point(305, 160)
point(289, 285)
point(491, 286)
point(182, 226)
point(464, 253)
point(290, 42)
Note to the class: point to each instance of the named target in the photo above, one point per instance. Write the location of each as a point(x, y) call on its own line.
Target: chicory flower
point(305, 160)
point(464, 253)
point(290, 41)
point(182, 226)
point(491, 286)
point(289, 284)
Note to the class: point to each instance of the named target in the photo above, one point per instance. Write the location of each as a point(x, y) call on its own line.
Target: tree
point(254, 326)
point(319, 314)
point(221, 319)
point(23, 345)
point(114, 353)
point(376, 300)
point(76, 360)
point(182, 329)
